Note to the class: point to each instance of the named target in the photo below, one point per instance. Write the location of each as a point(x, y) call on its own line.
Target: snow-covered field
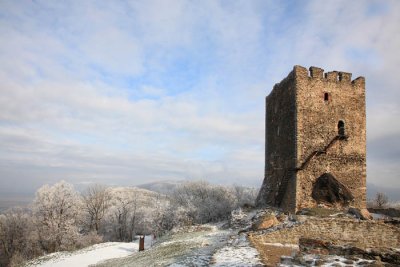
point(192, 246)
point(90, 255)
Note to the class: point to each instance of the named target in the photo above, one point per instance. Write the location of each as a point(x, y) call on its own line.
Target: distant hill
point(10, 200)
point(146, 198)
point(162, 187)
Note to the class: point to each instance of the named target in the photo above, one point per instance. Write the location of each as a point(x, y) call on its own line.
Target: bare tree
point(96, 200)
point(381, 200)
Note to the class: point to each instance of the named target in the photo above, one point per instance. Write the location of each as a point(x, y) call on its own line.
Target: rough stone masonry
point(315, 142)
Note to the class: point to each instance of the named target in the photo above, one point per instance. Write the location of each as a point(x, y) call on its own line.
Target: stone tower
point(315, 141)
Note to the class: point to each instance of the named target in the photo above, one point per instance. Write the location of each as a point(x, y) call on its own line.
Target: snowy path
point(88, 256)
point(237, 252)
point(207, 246)
point(192, 246)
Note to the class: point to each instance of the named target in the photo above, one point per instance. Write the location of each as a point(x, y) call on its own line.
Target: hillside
point(87, 256)
point(162, 187)
point(254, 238)
point(202, 245)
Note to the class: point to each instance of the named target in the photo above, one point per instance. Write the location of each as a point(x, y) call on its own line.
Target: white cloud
point(114, 51)
point(171, 89)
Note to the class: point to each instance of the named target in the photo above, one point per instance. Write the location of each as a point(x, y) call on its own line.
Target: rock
point(282, 217)
point(319, 212)
point(365, 213)
point(314, 246)
point(388, 255)
point(322, 247)
point(363, 262)
point(362, 214)
point(265, 222)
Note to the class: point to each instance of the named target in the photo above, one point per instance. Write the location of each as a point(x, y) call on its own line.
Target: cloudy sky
point(129, 92)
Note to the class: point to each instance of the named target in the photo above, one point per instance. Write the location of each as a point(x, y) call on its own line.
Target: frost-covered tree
point(244, 195)
point(57, 210)
point(133, 211)
point(122, 213)
point(164, 216)
point(96, 201)
point(204, 202)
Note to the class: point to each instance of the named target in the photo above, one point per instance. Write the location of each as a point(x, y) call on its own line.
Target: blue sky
point(129, 92)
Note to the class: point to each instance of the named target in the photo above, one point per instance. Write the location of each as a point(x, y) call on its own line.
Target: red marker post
point(141, 243)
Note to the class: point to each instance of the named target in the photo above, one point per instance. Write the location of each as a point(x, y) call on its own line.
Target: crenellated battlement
point(332, 76)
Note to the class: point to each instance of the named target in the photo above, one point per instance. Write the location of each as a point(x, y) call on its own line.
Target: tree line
point(60, 218)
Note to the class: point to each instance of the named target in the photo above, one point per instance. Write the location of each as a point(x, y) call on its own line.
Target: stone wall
point(280, 155)
point(362, 234)
point(323, 101)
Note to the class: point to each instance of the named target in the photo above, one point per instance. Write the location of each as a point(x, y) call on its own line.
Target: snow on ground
point(191, 246)
point(323, 260)
point(90, 255)
point(237, 252)
point(205, 245)
point(199, 245)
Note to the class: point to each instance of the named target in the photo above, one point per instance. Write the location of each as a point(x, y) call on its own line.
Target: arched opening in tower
point(328, 190)
point(326, 96)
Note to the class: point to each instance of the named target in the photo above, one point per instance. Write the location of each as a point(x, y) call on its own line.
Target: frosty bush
point(204, 202)
point(244, 196)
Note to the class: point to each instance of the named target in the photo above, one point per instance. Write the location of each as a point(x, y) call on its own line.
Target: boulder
point(365, 213)
point(362, 214)
point(265, 222)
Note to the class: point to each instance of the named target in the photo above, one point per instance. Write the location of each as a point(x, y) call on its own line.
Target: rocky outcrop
point(360, 233)
point(322, 247)
point(362, 214)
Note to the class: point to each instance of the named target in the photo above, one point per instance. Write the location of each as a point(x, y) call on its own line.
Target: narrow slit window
point(341, 130)
point(326, 97)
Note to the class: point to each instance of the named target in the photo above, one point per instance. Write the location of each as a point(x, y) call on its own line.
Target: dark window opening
point(341, 130)
point(326, 97)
